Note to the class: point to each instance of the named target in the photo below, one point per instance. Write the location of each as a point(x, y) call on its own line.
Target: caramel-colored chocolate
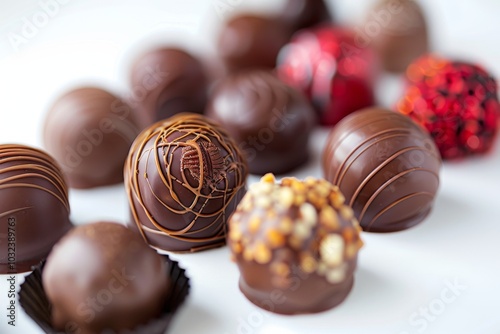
point(184, 177)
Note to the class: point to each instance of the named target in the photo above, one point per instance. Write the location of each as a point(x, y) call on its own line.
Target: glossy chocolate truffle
point(386, 166)
point(34, 208)
point(402, 33)
point(295, 239)
point(249, 41)
point(184, 177)
point(166, 82)
point(325, 65)
point(270, 121)
point(103, 277)
point(89, 132)
point(300, 14)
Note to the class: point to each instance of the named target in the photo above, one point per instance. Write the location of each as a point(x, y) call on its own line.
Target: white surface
point(399, 275)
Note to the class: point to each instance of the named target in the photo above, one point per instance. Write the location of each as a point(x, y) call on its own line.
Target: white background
point(399, 275)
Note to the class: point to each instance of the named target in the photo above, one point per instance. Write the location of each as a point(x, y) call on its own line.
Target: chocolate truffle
point(249, 41)
point(117, 283)
point(34, 210)
point(184, 176)
point(300, 14)
point(89, 132)
point(270, 121)
point(386, 166)
point(456, 102)
point(166, 82)
point(399, 33)
point(325, 64)
point(297, 240)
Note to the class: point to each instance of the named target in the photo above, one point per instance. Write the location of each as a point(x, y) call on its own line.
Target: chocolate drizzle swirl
point(184, 177)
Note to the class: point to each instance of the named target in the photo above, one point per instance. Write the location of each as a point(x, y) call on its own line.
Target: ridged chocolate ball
point(34, 210)
point(386, 166)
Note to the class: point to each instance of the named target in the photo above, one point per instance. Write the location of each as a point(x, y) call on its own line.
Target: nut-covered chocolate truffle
point(386, 166)
point(249, 41)
point(270, 121)
point(302, 14)
point(102, 277)
point(298, 238)
point(325, 64)
point(184, 177)
point(89, 132)
point(456, 102)
point(34, 208)
point(401, 33)
point(166, 82)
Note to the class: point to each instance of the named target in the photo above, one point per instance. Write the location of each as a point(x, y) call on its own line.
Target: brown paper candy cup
point(34, 301)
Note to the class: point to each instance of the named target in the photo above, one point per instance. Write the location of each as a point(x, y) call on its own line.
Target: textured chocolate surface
point(302, 14)
point(184, 177)
point(166, 82)
point(249, 41)
point(386, 166)
point(403, 35)
point(34, 208)
point(295, 242)
point(89, 132)
point(117, 283)
point(270, 121)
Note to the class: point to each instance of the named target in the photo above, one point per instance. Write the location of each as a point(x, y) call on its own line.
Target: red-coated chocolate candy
point(327, 65)
point(456, 102)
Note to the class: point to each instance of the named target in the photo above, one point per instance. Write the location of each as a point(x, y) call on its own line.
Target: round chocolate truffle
point(270, 121)
point(89, 132)
point(402, 33)
point(333, 73)
point(386, 166)
point(249, 41)
point(117, 283)
point(456, 102)
point(297, 238)
point(300, 14)
point(34, 210)
point(166, 82)
point(184, 178)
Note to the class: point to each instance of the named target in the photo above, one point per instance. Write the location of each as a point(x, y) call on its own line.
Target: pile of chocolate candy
point(185, 150)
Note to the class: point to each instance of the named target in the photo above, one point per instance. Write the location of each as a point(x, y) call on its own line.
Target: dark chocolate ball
point(399, 33)
point(102, 277)
point(296, 241)
point(34, 207)
point(302, 14)
point(166, 82)
point(270, 121)
point(184, 177)
point(249, 41)
point(386, 166)
point(89, 132)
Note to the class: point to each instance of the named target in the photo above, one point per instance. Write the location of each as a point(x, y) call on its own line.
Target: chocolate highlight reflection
point(386, 166)
point(184, 177)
